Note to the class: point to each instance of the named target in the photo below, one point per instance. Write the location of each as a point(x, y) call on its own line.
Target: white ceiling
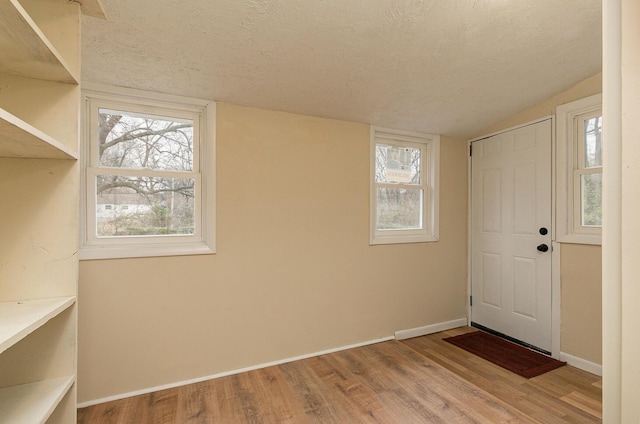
point(452, 67)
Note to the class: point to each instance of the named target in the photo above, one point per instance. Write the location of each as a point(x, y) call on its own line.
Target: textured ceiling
point(452, 67)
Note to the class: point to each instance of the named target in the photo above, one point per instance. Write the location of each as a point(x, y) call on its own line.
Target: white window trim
point(136, 247)
point(568, 228)
point(431, 173)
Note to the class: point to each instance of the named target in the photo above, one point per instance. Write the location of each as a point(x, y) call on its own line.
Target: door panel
point(491, 290)
point(510, 202)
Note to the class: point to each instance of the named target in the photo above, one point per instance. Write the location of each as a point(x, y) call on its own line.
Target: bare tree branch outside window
point(160, 203)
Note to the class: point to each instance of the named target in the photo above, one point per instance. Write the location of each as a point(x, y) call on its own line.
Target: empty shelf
point(19, 318)
point(25, 50)
point(33, 402)
point(21, 140)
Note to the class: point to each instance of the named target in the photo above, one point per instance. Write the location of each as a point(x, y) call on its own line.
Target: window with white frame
point(579, 171)
point(404, 186)
point(148, 187)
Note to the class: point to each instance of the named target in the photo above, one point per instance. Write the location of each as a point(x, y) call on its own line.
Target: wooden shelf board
point(26, 51)
point(19, 139)
point(20, 318)
point(33, 402)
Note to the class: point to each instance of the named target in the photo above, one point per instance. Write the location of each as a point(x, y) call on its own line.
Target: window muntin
point(404, 191)
point(144, 186)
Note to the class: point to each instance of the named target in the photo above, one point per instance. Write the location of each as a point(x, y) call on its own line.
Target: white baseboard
point(430, 329)
point(583, 364)
point(226, 373)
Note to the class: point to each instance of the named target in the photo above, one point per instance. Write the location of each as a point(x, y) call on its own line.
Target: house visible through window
point(143, 176)
point(579, 171)
point(404, 192)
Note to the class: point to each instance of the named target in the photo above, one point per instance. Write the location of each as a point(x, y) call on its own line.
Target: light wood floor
point(420, 380)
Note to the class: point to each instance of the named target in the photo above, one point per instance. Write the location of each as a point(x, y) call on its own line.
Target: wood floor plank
point(193, 405)
point(230, 401)
point(350, 388)
point(159, 408)
point(84, 415)
point(129, 410)
point(584, 402)
point(272, 390)
point(420, 380)
point(220, 404)
point(320, 404)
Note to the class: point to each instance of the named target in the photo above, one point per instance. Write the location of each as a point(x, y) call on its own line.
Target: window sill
point(144, 251)
point(430, 238)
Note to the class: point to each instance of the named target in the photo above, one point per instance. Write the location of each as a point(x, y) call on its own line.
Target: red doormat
point(511, 356)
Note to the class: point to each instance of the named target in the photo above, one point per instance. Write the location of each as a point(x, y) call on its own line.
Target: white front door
point(511, 234)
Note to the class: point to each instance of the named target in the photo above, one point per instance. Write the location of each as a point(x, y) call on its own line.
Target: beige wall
point(581, 327)
point(581, 265)
point(293, 274)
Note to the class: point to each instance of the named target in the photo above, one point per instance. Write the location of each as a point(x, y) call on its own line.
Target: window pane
point(399, 209)
point(395, 164)
point(140, 206)
point(591, 195)
point(129, 140)
point(593, 142)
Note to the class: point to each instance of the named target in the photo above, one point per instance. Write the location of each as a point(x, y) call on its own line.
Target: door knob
point(542, 247)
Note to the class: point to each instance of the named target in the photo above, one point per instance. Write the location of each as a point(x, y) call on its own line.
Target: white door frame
point(555, 255)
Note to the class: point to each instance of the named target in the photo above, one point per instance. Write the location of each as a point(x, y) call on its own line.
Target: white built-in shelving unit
point(39, 130)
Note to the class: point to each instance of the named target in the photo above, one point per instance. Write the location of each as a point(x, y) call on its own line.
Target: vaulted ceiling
point(452, 67)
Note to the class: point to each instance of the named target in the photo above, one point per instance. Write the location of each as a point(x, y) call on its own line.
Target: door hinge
point(470, 149)
point(470, 300)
